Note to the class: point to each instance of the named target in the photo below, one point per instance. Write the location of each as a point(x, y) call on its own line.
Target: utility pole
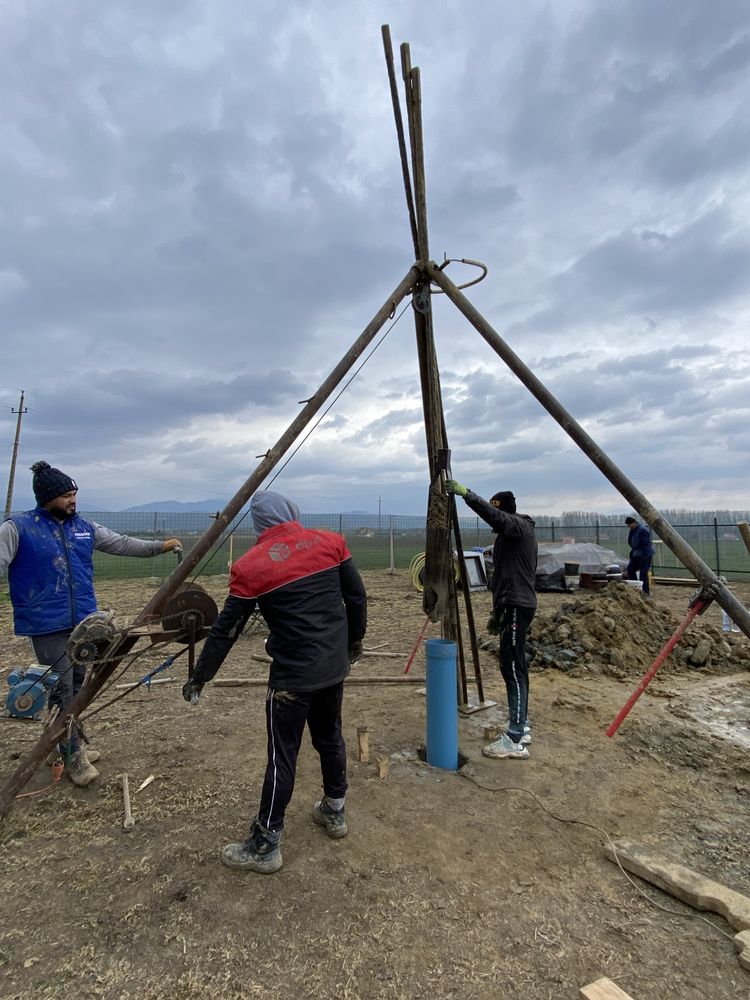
point(9, 499)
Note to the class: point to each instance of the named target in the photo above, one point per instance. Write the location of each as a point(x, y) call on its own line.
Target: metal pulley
point(91, 638)
point(421, 301)
point(190, 612)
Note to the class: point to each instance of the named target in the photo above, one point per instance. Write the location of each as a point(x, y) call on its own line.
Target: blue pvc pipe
point(442, 707)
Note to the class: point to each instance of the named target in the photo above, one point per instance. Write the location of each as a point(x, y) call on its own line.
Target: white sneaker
point(526, 738)
point(505, 747)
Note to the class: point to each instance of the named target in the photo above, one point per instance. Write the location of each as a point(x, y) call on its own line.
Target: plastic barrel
point(442, 710)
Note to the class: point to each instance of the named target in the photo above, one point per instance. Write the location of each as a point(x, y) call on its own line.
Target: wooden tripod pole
point(96, 681)
point(687, 556)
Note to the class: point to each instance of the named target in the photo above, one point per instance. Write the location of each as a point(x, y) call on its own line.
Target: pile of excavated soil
point(619, 632)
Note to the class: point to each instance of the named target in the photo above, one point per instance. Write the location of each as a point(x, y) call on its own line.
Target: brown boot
point(80, 770)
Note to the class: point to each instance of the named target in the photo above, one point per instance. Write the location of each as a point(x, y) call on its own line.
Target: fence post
point(392, 569)
point(341, 524)
point(716, 546)
point(552, 526)
point(153, 566)
point(597, 531)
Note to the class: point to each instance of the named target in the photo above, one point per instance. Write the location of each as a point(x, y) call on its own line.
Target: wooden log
point(260, 658)
point(263, 682)
point(154, 607)
point(383, 767)
point(603, 989)
point(692, 888)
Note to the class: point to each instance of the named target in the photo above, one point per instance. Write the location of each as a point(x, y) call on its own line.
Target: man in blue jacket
point(314, 603)
point(641, 552)
point(49, 555)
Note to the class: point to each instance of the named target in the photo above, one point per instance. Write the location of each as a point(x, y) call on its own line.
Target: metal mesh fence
point(377, 542)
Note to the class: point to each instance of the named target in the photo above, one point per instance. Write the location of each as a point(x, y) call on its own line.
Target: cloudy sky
point(201, 208)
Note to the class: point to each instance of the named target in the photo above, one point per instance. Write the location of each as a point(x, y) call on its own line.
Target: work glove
point(170, 544)
point(453, 486)
point(191, 691)
point(355, 651)
point(493, 625)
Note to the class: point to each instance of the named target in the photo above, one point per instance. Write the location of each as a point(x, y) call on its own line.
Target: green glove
point(453, 486)
point(493, 625)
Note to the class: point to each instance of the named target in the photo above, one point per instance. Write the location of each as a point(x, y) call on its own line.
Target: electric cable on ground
point(610, 841)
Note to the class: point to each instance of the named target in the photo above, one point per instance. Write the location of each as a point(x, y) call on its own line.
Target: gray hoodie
point(268, 509)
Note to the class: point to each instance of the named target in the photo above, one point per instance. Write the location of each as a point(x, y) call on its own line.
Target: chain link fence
point(379, 542)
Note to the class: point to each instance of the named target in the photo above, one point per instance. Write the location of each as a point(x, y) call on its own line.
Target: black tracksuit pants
point(514, 624)
point(286, 715)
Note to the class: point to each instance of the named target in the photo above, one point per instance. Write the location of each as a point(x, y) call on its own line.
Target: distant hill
point(177, 507)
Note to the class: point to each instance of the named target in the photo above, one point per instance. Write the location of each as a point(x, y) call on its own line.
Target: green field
point(374, 552)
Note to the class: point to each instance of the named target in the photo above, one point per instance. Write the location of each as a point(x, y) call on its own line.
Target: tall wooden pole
point(687, 556)
point(96, 681)
point(11, 478)
point(438, 598)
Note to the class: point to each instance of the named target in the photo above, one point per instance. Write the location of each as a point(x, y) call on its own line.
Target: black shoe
point(259, 853)
point(333, 820)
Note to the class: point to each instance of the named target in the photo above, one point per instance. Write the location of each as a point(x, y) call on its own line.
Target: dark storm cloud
point(203, 207)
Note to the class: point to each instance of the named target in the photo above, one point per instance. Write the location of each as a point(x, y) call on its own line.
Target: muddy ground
point(449, 885)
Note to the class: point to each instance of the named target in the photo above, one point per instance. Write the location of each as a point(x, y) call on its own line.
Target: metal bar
point(716, 546)
point(703, 573)
point(696, 609)
point(95, 683)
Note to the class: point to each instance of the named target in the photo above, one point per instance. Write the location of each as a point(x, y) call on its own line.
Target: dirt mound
point(618, 632)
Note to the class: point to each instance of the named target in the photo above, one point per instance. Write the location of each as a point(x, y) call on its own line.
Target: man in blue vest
point(641, 552)
point(49, 555)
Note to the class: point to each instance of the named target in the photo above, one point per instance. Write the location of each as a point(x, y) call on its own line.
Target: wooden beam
point(603, 989)
point(263, 682)
point(98, 678)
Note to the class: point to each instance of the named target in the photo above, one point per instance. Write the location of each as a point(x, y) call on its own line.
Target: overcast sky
point(201, 208)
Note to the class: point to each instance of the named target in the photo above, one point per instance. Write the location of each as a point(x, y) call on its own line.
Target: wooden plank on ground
point(689, 886)
point(603, 989)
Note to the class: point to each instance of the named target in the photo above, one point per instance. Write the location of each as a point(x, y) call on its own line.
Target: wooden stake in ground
point(363, 745)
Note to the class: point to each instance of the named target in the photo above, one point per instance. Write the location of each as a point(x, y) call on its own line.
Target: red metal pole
point(695, 609)
point(416, 646)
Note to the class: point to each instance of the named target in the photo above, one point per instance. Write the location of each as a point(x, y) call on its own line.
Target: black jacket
point(514, 554)
point(312, 599)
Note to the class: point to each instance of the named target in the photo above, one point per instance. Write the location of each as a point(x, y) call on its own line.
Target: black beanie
point(504, 501)
point(50, 483)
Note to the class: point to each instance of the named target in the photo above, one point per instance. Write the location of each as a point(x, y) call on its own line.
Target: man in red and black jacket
point(314, 603)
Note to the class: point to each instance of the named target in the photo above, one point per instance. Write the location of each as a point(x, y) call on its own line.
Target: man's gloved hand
point(493, 625)
point(191, 691)
point(355, 651)
point(453, 486)
point(169, 544)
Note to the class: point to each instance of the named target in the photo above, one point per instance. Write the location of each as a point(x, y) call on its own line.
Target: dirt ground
point(449, 885)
